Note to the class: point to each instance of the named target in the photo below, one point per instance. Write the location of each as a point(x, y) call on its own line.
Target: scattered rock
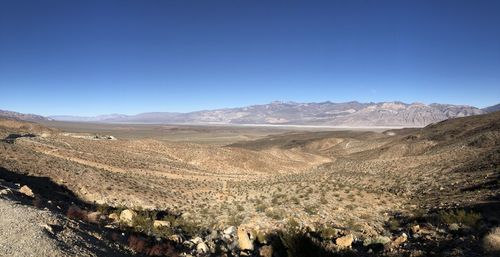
point(26, 191)
point(127, 217)
point(230, 230)
point(399, 240)
point(244, 241)
point(93, 217)
point(202, 248)
point(114, 217)
point(175, 238)
point(186, 215)
point(383, 240)
point(161, 223)
point(197, 240)
point(232, 245)
point(5, 191)
point(454, 227)
point(266, 251)
point(415, 229)
point(345, 241)
point(212, 246)
point(48, 229)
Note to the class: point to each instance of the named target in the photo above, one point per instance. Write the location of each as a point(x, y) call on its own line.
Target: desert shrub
point(260, 236)
point(294, 243)
point(328, 232)
point(104, 209)
point(295, 200)
point(311, 209)
point(235, 220)
point(468, 218)
point(277, 199)
point(491, 242)
point(240, 208)
point(350, 207)
point(260, 207)
point(292, 224)
point(189, 227)
point(275, 214)
point(74, 212)
point(162, 232)
point(117, 210)
point(137, 243)
point(393, 224)
point(354, 225)
point(365, 216)
point(143, 222)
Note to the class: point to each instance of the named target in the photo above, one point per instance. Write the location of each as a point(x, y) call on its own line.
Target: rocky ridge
point(353, 114)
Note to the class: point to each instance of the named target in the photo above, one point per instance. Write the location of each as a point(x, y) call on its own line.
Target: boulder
point(197, 240)
point(26, 191)
point(5, 191)
point(161, 224)
point(244, 241)
point(48, 228)
point(415, 229)
point(127, 217)
point(114, 217)
point(175, 238)
point(231, 245)
point(382, 240)
point(202, 248)
point(399, 240)
point(214, 235)
point(230, 231)
point(345, 241)
point(93, 217)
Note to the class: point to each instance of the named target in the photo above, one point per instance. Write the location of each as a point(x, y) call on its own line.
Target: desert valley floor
point(434, 189)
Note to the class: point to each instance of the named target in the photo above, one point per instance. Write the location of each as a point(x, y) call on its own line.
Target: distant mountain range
point(23, 116)
point(291, 113)
point(348, 114)
point(494, 108)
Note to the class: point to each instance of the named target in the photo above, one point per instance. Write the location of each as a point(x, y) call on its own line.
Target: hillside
point(362, 185)
point(493, 108)
point(23, 116)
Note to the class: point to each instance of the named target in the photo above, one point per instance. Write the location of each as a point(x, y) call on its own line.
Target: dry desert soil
point(69, 189)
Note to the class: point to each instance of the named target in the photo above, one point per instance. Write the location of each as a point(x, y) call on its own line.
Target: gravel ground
point(22, 231)
point(28, 231)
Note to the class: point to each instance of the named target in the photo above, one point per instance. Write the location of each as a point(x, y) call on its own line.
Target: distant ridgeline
point(350, 114)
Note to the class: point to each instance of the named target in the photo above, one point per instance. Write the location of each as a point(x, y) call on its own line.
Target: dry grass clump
point(468, 218)
point(491, 242)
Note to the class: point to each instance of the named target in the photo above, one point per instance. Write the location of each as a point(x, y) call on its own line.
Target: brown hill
point(356, 182)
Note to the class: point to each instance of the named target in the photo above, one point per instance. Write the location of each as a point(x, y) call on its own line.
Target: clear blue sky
point(98, 57)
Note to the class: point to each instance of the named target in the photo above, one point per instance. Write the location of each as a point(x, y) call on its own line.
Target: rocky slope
point(23, 116)
point(350, 114)
point(429, 191)
point(493, 108)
